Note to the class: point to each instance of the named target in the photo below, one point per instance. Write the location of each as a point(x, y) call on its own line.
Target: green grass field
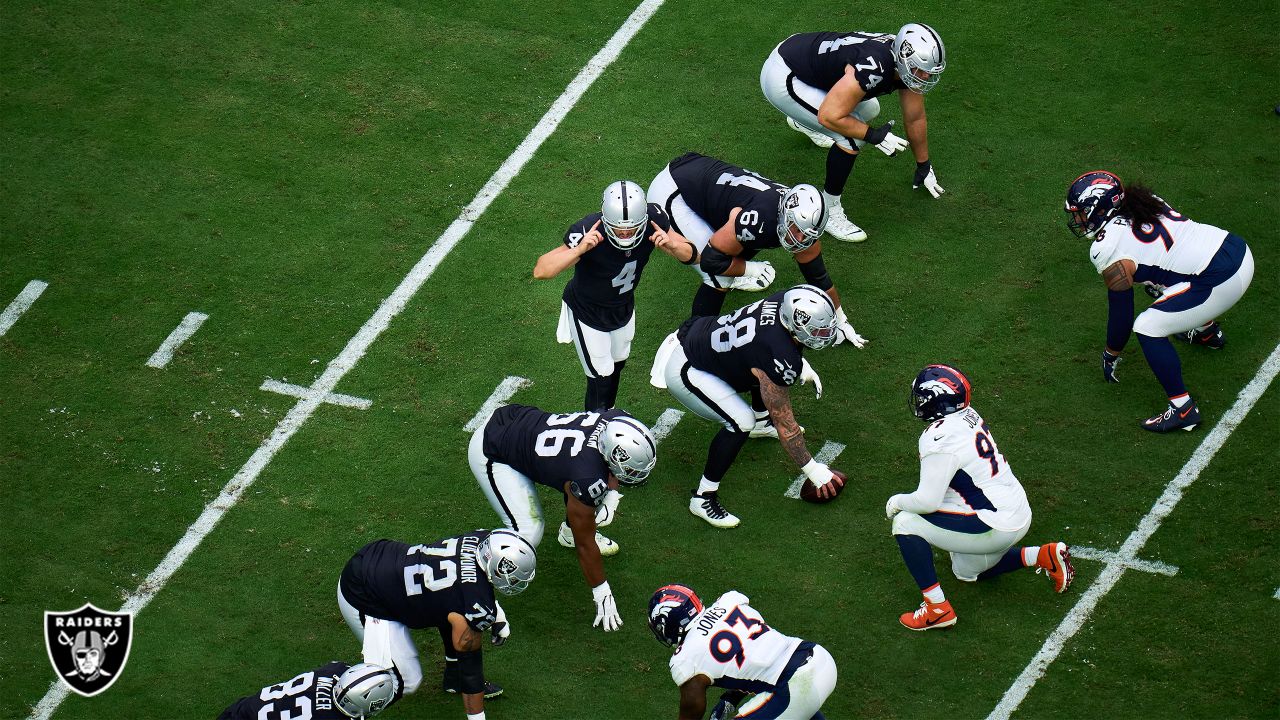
point(281, 167)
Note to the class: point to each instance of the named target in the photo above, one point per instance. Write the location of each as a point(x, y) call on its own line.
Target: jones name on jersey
point(983, 484)
point(730, 643)
point(601, 292)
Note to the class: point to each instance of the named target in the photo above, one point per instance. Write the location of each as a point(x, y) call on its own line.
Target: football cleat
point(491, 690)
point(1210, 337)
point(607, 546)
point(1174, 418)
point(1055, 561)
point(822, 141)
point(841, 227)
point(765, 429)
point(930, 616)
point(707, 506)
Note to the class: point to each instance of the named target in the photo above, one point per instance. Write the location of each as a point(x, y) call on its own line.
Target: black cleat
point(1174, 418)
point(1210, 337)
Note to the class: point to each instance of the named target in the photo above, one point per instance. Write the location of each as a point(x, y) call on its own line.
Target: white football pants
point(665, 194)
point(971, 553)
point(1171, 314)
point(705, 394)
point(599, 351)
point(807, 689)
point(511, 494)
point(800, 102)
point(386, 643)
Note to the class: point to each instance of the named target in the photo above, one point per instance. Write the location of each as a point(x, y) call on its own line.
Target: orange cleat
point(930, 616)
point(1055, 560)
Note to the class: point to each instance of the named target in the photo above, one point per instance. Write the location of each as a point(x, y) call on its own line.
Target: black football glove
point(884, 139)
point(1109, 363)
point(1154, 292)
point(498, 634)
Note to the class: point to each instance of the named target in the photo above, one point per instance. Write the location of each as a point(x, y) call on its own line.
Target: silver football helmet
point(810, 316)
point(917, 47)
point(803, 208)
point(624, 213)
point(628, 449)
point(364, 690)
point(509, 561)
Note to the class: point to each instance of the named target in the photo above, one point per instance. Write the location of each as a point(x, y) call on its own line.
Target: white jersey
point(729, 640)
point(1176, 245)
point(984, 484)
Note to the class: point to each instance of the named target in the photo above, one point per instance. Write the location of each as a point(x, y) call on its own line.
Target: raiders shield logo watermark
point(88, 647)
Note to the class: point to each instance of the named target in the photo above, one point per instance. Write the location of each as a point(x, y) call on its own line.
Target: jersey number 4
point(440, 573)
point(625, 280)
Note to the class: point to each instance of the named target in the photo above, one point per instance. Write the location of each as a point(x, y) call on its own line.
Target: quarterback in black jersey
point(583, 456)
point(330, 692)
point(389, 588)
point(709, 361)
point(731, 214)
point(827, 84)
point(598, 314)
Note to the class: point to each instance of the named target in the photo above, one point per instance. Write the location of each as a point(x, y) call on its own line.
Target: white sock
point(705, 486)
point(934, 594)
point(833, 201)
point(1181, 400)
point(1030, 556)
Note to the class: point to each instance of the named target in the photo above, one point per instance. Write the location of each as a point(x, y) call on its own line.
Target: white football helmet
point(804, 208)
point(509, 561)
point(364, 690)
point(628, 449)
point(917, 47)
point(810, 316)
point(624, 213)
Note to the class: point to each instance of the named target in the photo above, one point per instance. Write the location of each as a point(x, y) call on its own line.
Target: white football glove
point(891, 508)
point(757, 276)
point(818, 473)
point(808, 374)
point(845, 332)
point(608, 508)
point(884, 139)
point(928, 178)
point(607, 617)
point(501, 629)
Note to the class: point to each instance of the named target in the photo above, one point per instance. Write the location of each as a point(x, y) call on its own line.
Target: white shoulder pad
point(1103, 250)
point(733, 597)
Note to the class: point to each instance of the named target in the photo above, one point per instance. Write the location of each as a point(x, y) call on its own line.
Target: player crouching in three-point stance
point(582, 456)
point(968, 503)
point(389, 588)
point(709, 361)
point(727, 644)
point(827, 84)
point(1196, 272)
point(598, 313)
point(331, 692)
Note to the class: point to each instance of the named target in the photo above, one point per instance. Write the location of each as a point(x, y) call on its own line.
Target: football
point(809, 491)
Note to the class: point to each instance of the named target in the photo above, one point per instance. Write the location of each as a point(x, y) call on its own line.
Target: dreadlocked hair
point(1141, 205)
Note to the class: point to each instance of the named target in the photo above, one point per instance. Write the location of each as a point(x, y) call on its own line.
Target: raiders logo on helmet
point(88, 647)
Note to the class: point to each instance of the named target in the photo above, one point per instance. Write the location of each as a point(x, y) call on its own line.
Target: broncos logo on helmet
point(671, 609)
point(1092, 200)
point(938, 390)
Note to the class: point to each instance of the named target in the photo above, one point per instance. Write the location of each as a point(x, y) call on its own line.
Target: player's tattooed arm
point(778, 400)
point(693, 697)
point(1119, 275)
point(465, 638)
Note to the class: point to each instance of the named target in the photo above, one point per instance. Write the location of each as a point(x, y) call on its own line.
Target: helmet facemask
point(802, 218)
point(628, 450)
point(624, 213)
point(917, 49)
point(508, 560)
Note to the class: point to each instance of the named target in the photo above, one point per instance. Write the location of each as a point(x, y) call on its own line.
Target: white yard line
point(20, 304)
point(1085, 606)
point(1113, 558)
point(299, 391)
point(829, 452)
point(373, 327)
point(1277, 595)
point(666, 423)
point(500, 396)
point(188, 327)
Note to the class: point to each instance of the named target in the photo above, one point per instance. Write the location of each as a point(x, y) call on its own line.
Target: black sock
point(839, 165)
point(724, 450)
point(707, 301)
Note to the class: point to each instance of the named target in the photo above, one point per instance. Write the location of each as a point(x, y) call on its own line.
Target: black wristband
point(693, 253)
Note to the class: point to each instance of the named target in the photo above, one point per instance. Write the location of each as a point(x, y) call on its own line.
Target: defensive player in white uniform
point(1196, 272)
point(968, 502)
point(828, 85)
point(727, 644)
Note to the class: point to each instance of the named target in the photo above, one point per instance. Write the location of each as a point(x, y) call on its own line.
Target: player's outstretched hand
point(809, 375)
point(1109, 363)
point(891, 508)
point(845, 332)
point(592, 238)
point(884, 139)
point(926, 177)
point(607, 617)
point(659, 236)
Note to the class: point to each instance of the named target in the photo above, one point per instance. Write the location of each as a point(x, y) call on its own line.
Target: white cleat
point(707, 506)
point(841, 227)
point(607, 546)
point(822, 141)
point(766, 429)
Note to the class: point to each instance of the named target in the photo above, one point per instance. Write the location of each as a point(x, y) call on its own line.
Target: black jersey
point(753, 337)
point(820, 59)
point(552, 449)
point(713, 188)
point(309, 695)
point(419, 585)
point(601, 292)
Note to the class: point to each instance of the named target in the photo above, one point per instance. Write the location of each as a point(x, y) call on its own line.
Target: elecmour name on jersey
point(552, 449)
point(713, 188)
point(730, 643)
point(984, 484)
point(601, 292)
point(308, 695)
point(419, 585)
point(731, 345)
point(820, 59)
point(1168, 252)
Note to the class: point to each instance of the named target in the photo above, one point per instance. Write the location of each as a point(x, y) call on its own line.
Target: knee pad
point(867, 110)
point(902, 523)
